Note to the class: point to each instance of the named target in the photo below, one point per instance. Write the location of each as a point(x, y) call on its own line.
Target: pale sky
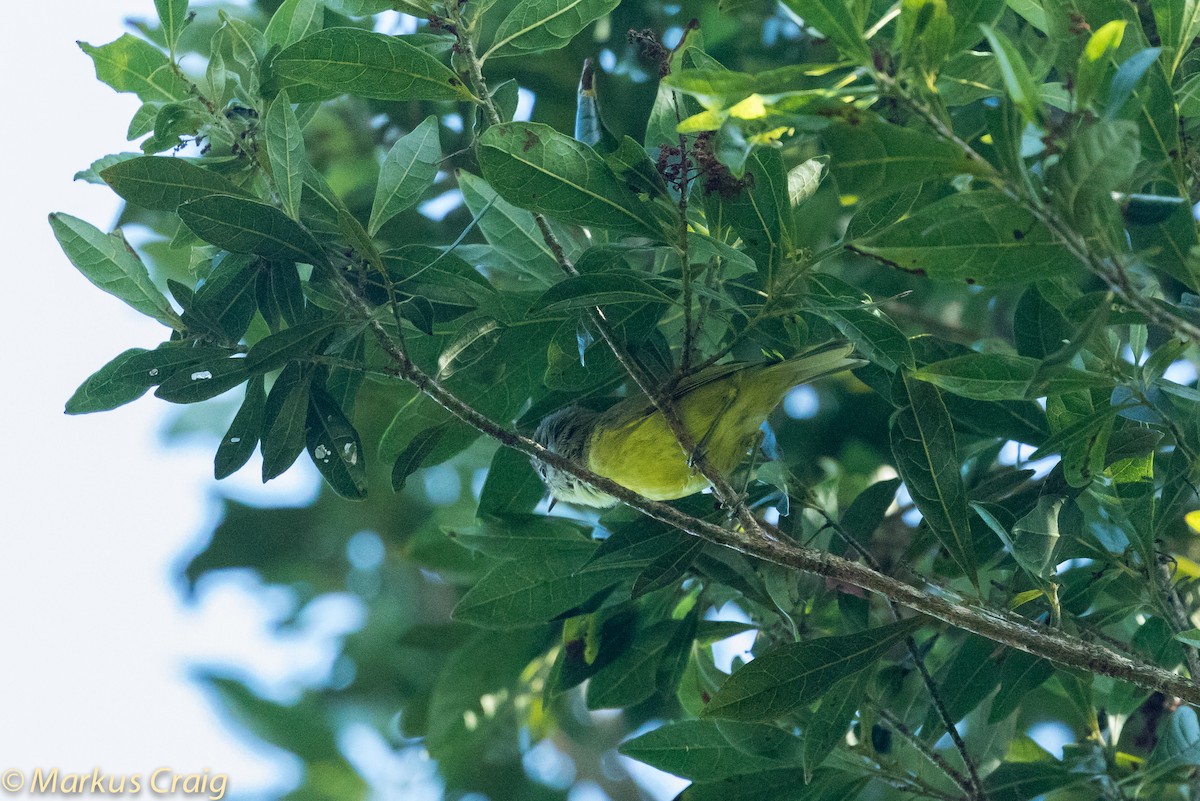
point(98, 516)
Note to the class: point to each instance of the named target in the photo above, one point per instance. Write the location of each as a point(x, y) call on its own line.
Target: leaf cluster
point(992, 202)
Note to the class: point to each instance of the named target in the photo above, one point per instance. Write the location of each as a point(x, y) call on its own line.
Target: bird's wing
point(636, 408)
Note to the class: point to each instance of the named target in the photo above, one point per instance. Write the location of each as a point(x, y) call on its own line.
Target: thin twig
point(934, 757)
point(658, 396)
point(971, 785)
point(1107, 266)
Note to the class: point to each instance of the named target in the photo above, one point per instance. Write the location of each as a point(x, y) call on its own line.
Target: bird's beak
point(553, 501)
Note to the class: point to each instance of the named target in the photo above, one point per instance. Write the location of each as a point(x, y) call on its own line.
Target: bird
point(721, 406)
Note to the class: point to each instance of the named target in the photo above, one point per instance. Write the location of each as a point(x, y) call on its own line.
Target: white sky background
point(97, 645)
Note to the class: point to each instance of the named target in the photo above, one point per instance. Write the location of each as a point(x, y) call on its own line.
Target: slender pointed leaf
point(110, 263)
point(787, 678)
point(285, 151)
point(240, 225)
point(367, 64)
point(923, 443)
point(239, 442)
point(407, 172)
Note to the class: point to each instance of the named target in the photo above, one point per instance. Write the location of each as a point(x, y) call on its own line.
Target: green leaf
point(173, 123)
point(667, 568)
point(285, 151)
point(110, 263)
point(631, 677)
point(299, 341)
point(973, 237)
point(925, 33)
point(1100, 159)
point(968, 15)
point(92, 173)
point(533, 166)
point(130, 64)
point(1002, 376)
point(247, 45)
point(109, 387)
point(280, 294)
point(512, 486)
point(534, 26)
point(1024, 781)
point(837, 19)
point(870, 331)
point(872, 158)
point(760, 212)
point(1019, 83)
point(778, 784)
point(923, 443)
point(414, 455)
point(698, 750)
point(366, 64)
point(1178, 23)
point(789, 677)
point(225, 303)
point(407, 173)
point(520, 537)
point(241, 225)
point(970, 677)
point(475, 340)
point(1020, 674)
point(866, 512)
point(513, 232)
point(599, 289)
point(237, 446)
point(1034, 538)
point(334, 446)
point(525, 593)
point(1039, 328)
point(437, 276)
point(293, 20)
point(163, 183)
point(173, 14)
point(1179, 744)
point(1095, 59)
point(635, 547)
point(828, 727)
point(883, 212)
point(1080, 430)
point(203, 380)
point(286, 420)
point(362, 8)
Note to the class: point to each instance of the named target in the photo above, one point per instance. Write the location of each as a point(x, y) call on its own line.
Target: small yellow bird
point(722, 407)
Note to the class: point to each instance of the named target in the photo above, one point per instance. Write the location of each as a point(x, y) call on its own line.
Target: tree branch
point(971, 785)
point(774, 546)
point(1106, 266)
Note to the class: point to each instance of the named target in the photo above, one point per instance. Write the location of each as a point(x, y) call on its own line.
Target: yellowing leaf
point(752, 108)
point(1022, 598)
point(1106, 38)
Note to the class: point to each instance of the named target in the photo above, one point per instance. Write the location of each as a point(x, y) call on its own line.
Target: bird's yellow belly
point(646, 458)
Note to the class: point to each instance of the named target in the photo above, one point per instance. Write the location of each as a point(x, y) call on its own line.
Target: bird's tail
point(810, 366)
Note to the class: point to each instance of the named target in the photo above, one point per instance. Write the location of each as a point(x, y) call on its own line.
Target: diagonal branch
point(1108, 267)
point(774, 546)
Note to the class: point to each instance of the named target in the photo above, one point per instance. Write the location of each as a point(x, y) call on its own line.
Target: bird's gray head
point(566, 433)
